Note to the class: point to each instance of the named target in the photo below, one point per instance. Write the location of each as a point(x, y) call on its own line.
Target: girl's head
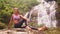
point(16, 11)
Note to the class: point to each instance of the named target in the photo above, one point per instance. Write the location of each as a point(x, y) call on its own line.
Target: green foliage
point(2, 25)
point(23, 5)
point(58, 1)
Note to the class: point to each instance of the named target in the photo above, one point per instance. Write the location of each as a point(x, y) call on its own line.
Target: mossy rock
point(2, 25)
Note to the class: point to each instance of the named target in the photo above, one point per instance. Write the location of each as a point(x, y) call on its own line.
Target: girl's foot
point(42, 28)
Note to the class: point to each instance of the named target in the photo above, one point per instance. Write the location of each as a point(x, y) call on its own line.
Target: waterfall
point(45, 13)
point(48, 20)
point(43, 17)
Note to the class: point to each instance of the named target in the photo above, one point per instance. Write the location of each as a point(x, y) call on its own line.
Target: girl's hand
point(28, 20)
point(8, 27)
point(27, 27)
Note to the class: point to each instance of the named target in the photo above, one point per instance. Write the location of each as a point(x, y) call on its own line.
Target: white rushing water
point(45, 13)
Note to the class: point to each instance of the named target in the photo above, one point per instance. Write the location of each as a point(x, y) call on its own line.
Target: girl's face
point(15, 11)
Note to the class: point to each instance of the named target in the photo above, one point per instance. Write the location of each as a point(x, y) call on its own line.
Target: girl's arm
point(24, 18)
point(10, 22)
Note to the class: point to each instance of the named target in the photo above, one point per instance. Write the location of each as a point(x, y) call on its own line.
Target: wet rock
point(20, 31)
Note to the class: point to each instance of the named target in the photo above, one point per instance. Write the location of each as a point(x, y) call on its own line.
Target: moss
point(53, 31)
point(2, 25)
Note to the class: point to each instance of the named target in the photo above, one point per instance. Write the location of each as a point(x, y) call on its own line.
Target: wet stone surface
point(20, 31)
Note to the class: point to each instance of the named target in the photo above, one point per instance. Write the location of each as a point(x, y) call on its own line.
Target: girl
point(16, 18)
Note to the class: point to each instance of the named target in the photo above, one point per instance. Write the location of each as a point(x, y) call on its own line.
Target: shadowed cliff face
point(58, 18)
point(58, 15)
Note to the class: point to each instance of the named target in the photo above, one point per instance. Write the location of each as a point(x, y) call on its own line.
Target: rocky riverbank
point(20, 31)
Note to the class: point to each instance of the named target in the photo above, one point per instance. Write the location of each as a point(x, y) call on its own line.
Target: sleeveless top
point(16, 17)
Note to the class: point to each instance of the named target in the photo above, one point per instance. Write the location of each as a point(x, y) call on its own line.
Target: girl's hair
point(16, 9)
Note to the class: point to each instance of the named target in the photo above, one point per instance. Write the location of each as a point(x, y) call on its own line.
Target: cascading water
point(52, 11)
point(43, 17)
point(45, 13)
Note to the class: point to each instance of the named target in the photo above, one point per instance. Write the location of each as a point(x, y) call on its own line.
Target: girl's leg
point(19, 25)
point(25, 21)
point(34, 28)
point(41, 28)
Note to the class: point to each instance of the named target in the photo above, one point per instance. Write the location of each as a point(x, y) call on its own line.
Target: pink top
point(16, 17)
